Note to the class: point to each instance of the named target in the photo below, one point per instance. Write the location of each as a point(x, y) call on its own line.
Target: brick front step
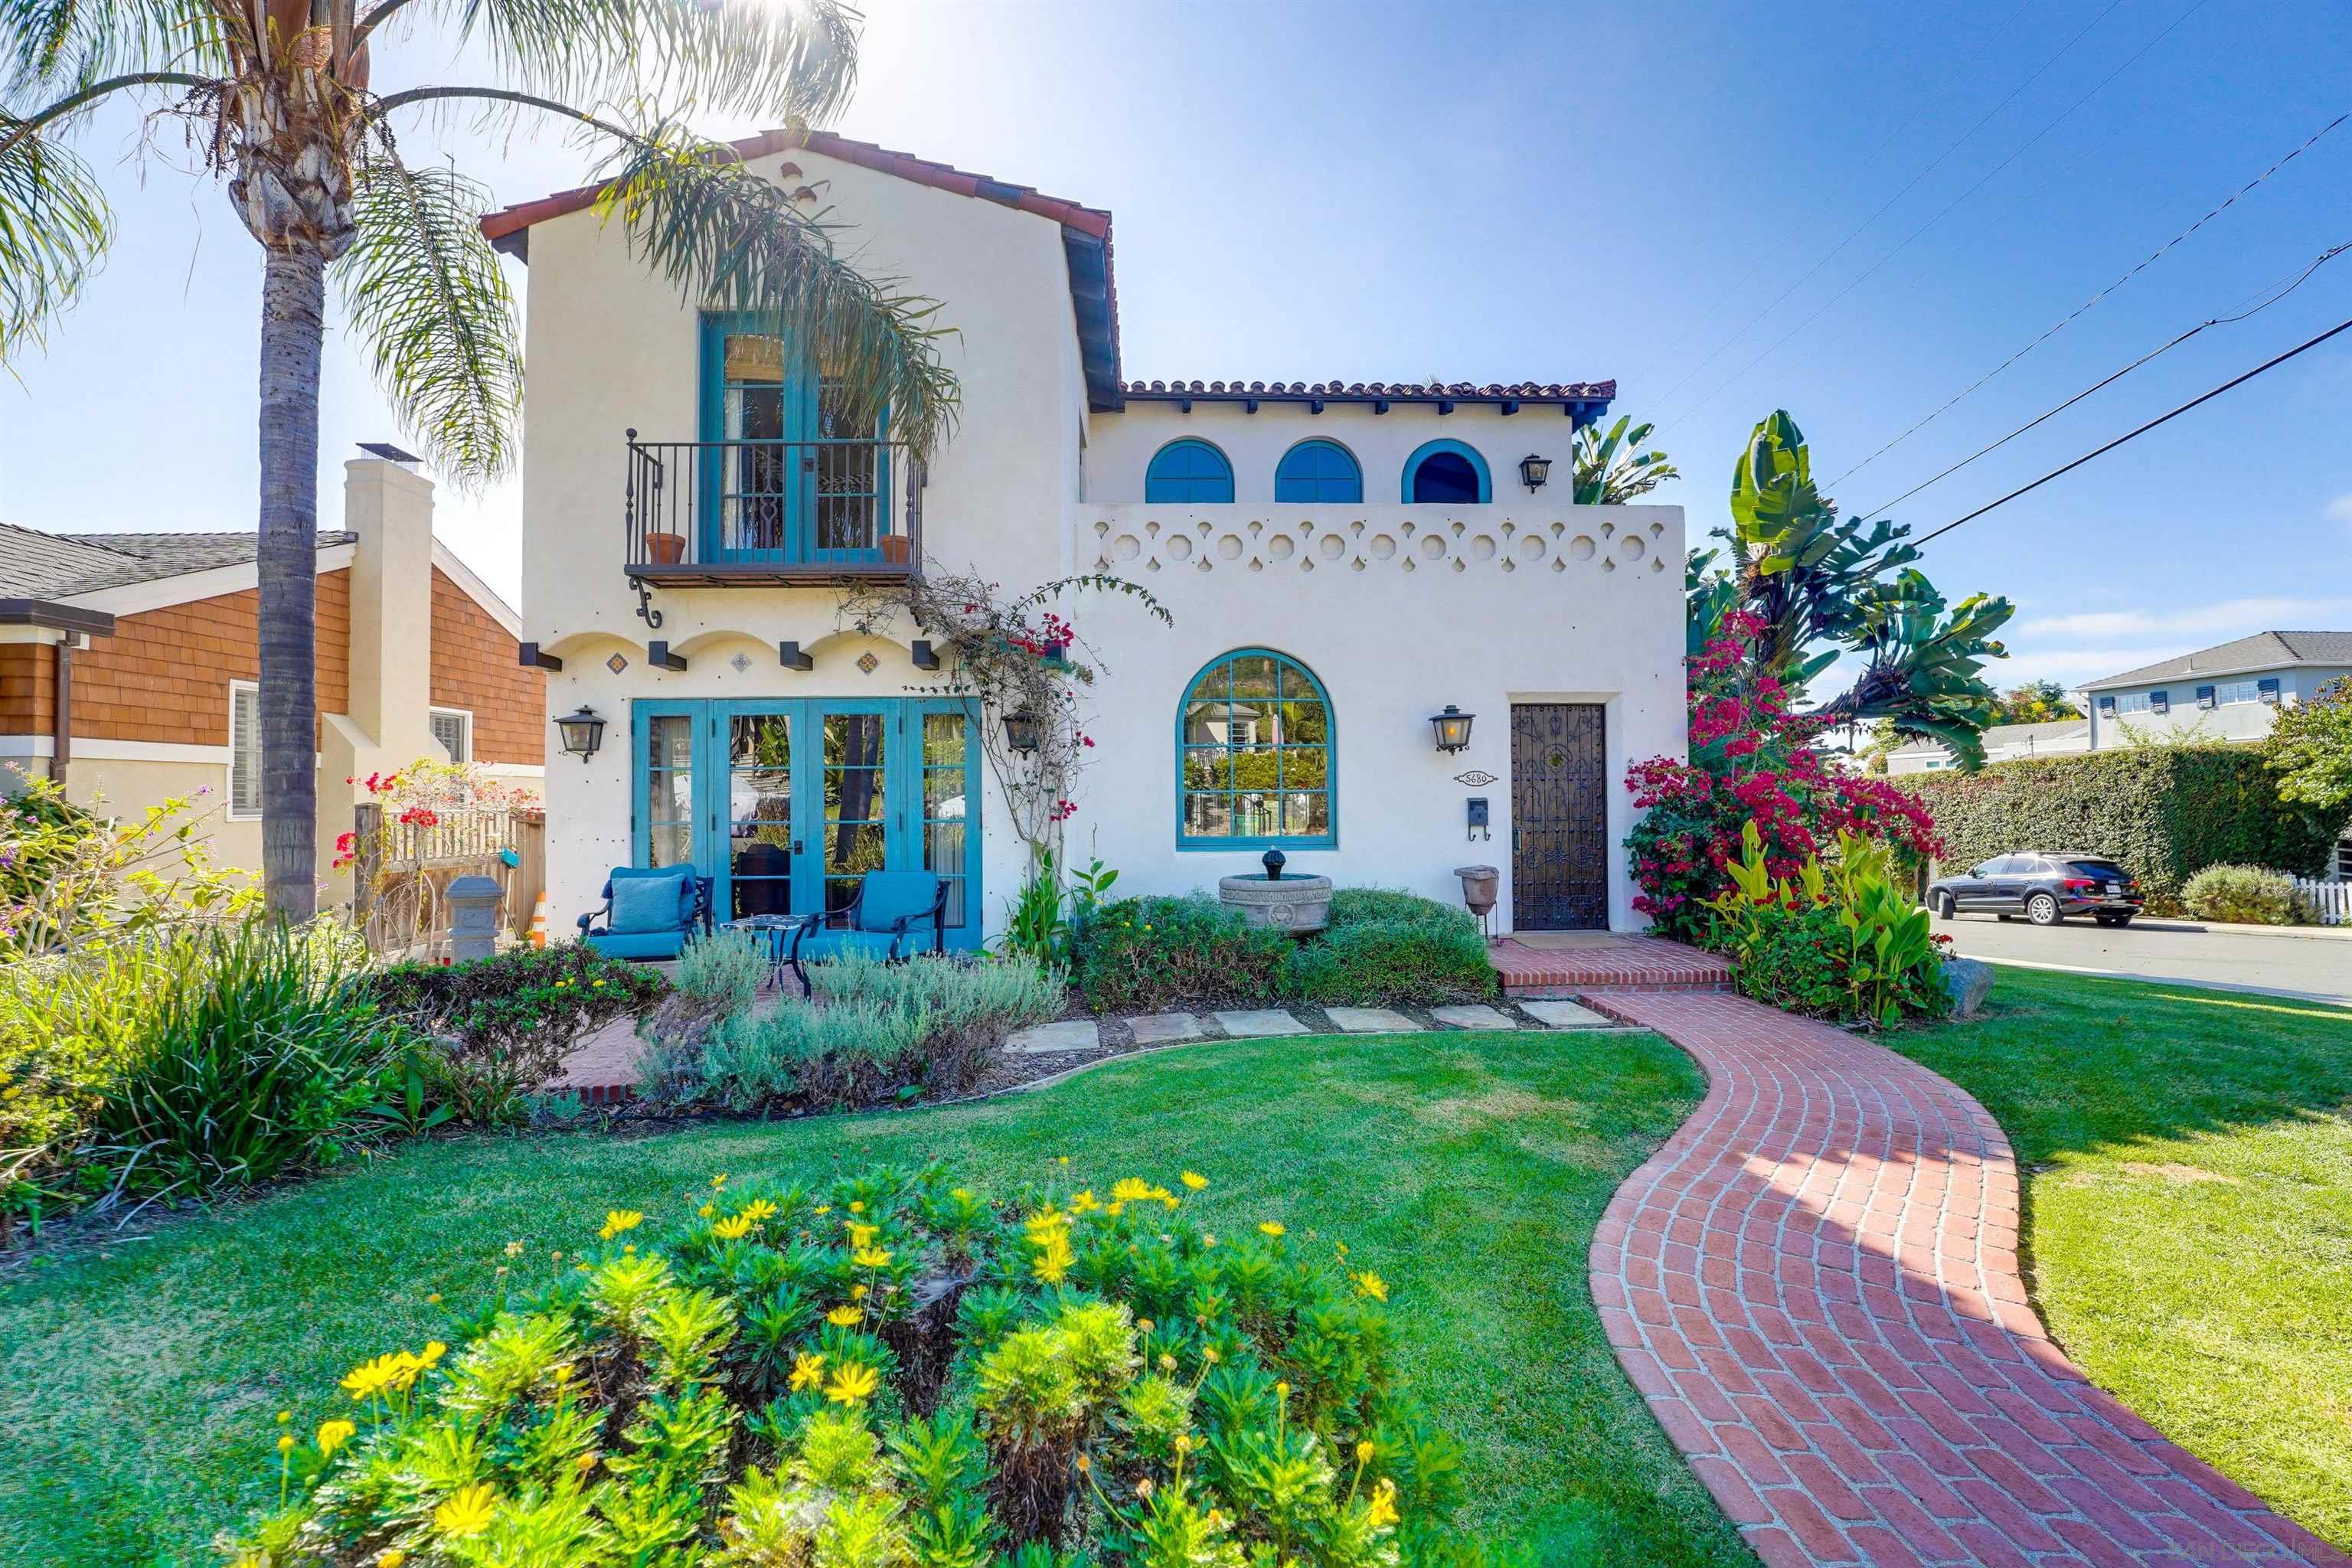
point(1616, 964)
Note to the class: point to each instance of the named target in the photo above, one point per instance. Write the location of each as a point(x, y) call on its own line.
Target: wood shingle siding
point(474, 669)
point(28, 688)
point(163, 675)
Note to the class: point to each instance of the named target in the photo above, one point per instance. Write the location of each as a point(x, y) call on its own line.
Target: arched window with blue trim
point(1319, 470)
point(1447, 472)
point(1187, 470)
point(1256, 756)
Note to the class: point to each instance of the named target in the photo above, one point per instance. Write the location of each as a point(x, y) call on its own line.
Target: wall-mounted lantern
point(1453, 728)
point(583, 733)
point(1020, 731)
point(1535, 471)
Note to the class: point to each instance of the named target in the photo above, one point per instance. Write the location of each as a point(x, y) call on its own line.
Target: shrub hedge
point(2247, 895)
point(1381, 948)
point(2165, 813)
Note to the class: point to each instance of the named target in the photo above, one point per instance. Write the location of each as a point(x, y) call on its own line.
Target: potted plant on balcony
point(896, 549)
point(665, 549)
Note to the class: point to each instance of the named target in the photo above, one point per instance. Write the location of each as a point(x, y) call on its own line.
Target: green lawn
point(138, 1387)
point(2188, 1160)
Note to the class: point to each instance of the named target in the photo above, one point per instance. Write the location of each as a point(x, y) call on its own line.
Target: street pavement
point(2317, 968)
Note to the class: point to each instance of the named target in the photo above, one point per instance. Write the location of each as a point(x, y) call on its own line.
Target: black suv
point(2045, 886)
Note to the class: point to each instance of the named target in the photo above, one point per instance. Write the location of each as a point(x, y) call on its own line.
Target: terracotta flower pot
point(665, 549)
point(895, 549)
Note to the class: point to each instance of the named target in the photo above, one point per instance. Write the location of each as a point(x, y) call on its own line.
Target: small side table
point(772, 935)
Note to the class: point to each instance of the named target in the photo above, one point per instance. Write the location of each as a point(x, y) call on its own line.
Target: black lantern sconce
point(583, 733)
point(1535, 471)
point(1020, 731)
point(1453, 728)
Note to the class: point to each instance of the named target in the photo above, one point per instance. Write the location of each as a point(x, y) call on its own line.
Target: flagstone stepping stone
point(1044, 1039)
point(1369, 1020)
point(1473, 1017)
point(1159, 1028)
point(1259, 1021)
point(1565, 1016)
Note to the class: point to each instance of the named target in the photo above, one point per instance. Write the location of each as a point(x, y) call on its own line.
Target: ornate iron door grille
point(1559, 817)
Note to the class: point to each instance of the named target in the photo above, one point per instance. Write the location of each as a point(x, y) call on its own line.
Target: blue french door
point(786, 476)
point(786, 805)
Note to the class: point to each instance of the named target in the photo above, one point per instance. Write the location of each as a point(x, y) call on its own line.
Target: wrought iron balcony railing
point(771, 512)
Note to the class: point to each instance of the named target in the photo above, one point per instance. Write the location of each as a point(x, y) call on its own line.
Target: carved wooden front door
point(1559, 817)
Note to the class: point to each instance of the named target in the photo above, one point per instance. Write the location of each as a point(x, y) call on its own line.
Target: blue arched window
point(1256, 757)
point(1447, 472)
point(1319, 471)
point(1189, 470)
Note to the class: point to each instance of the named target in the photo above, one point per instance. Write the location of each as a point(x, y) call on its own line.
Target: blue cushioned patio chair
point(656, 932)
point(896, 915)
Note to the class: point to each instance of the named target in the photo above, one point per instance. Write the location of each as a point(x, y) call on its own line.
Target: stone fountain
point(1301, 905)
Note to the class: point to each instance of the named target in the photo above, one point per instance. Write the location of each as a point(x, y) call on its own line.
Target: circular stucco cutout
point(1381, 547)
point(1179, 548)
point(1332, 546)
point(1630, 547)
point(1531, 547)
point(1127, 547)
point(1230, 547)
point(1583, 547)
point(1280, 546)
point(1482, 548)
point(1432, 546)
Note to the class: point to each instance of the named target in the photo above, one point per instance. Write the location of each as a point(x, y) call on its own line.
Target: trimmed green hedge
point(1381, 948)
point(2165, 812)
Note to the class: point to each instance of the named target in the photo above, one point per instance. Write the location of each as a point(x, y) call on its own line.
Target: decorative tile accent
point(1476, 778)
point(616, 664)
point(1506, 544)
point(867, 662)
point(740, 664)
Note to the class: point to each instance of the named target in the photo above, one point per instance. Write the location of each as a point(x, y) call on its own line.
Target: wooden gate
point(1559, 817)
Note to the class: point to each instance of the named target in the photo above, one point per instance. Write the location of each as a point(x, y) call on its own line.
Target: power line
point(1871, 269)
point(2277, 292)
point(1838, 248)
point(2129, 435)
point(2094, 298)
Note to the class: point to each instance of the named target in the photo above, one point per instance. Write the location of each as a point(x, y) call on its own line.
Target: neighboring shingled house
point(129, 664)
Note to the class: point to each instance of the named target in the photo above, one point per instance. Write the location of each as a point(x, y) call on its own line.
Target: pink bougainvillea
point(1751, 760)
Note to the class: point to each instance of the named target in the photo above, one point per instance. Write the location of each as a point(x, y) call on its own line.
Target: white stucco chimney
point(391, 509)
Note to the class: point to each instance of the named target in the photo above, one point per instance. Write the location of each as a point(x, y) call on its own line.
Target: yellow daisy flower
point(808, 1371)
point(1273, 1227)
point(734, 1228)
point(1372, 1284)
point(842, 1317)
point(467, 1511)
point(870, 1258)
point(333, 1434)
point(1195, 1180)
point(852, 1384)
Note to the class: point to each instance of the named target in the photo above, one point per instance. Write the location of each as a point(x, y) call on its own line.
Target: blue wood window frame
point(1462, 450)
point(915, 805)
point(1318, 472)
point(1189, 470)
point(819, 497)
point(1294, 683)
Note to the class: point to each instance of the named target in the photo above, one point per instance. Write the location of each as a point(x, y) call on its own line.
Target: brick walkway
point(1815, 1283)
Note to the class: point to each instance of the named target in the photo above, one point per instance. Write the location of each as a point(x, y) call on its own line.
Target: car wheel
point(2117, 921)
point(2043, 909)
point(1944, 906)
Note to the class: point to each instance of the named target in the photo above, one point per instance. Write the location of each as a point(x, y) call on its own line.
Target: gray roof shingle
point(38, 565)
point(2263, 651)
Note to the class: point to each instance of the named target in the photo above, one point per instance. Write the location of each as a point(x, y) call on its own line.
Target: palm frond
point(424, 292)
point(50, 47)
point(54, 229)
point(734, 240)
point(793, 60)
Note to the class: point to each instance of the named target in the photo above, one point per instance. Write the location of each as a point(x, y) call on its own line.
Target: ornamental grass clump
point(890, 1371)
point(878, 1031)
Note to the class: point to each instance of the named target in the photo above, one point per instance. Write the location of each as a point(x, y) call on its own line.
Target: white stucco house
point(2003, 743)
point(1341, 562)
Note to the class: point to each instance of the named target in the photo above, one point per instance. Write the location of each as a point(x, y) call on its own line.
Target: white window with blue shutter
point(2269, 687)
point(2205, 697)
point(2159, 701)
point(2106, 707)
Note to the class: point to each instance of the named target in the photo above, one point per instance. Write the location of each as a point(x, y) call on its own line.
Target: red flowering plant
point(1751, 758)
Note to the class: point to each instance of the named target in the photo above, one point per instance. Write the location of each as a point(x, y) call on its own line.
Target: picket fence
point(2330, 903)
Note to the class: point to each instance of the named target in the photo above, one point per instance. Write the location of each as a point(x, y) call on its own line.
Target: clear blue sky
point(1545, 192)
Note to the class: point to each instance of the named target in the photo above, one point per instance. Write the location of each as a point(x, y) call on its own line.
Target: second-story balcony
point(771, 513)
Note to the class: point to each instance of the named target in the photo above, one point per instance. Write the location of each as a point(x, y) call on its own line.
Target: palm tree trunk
point(293, 306)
